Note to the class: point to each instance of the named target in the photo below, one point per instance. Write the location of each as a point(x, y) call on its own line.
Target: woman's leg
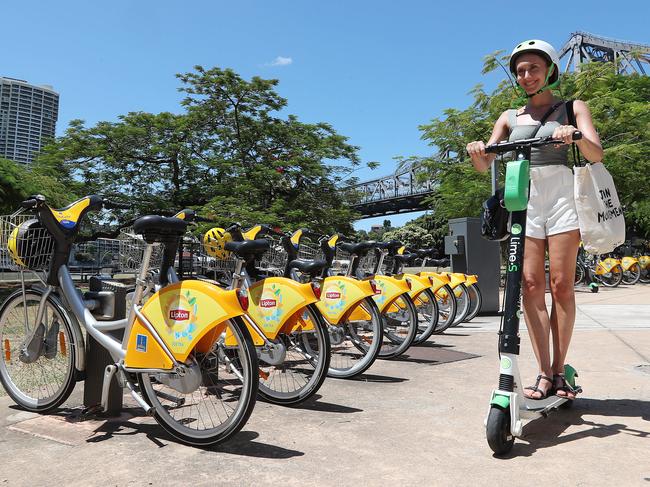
point(562, 252)
point(537, 319)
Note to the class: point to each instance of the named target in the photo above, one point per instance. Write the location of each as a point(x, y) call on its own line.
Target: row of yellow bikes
point(627, 264)
point(269, 315)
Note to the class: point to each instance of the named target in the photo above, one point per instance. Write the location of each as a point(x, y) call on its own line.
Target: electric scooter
point(508, 405)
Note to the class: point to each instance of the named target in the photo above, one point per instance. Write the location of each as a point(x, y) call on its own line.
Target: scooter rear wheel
point(498, 434)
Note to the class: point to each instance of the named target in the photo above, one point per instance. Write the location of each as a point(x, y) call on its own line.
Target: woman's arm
point(589, 145)
point(476, 149)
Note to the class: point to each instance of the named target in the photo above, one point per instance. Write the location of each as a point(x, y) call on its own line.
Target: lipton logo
point(179, 314)
point(332, 295)
point(268, 303)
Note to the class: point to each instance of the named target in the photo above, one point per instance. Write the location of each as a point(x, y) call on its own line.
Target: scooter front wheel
point(499, 437)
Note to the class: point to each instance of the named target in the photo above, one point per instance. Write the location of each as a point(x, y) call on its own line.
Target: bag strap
point(545, 117)
point(571, 118)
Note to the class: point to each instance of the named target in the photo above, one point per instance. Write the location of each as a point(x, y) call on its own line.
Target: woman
point(552, 221)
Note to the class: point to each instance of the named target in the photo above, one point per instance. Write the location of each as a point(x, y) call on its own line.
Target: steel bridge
point(406, 189)
point(582, 47)
point(402, 192)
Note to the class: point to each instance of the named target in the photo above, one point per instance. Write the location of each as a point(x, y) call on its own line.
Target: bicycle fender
point(627, 262)
point(418, 284)
point(644, 260)
point(186, 315)
point(340, 295)
point(388, 290)
point(605, 266)
point(275, 300)
point(437, 280)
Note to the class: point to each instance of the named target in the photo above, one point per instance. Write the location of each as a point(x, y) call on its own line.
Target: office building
point(28, 117)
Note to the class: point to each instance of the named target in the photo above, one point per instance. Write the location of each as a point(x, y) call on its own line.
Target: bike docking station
point(102, 393)
point(470, 253)
point(508, 405)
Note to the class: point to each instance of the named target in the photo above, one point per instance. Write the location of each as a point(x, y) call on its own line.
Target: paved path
point(415, 421)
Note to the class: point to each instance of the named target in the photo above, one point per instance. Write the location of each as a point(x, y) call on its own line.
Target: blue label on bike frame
point(141, 343)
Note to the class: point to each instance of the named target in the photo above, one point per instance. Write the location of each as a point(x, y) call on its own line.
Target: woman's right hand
point(476, 149)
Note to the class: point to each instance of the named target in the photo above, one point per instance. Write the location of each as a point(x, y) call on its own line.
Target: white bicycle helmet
point(543, 49)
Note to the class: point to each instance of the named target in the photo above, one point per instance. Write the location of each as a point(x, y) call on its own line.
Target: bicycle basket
point(131, 252)
point(24, 243)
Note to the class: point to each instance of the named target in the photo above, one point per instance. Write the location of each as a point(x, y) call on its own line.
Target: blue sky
point(375, 70)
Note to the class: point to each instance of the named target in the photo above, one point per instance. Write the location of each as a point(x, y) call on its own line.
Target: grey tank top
point(547, 155)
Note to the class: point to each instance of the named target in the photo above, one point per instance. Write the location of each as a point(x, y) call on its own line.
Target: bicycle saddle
point(311, 267)
point(356, 248)
point(155, 228)
point(248, 248)
point(404, 258)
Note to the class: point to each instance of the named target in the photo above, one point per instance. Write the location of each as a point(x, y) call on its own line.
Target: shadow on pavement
point(433, 355)
point(315, 404)
point(545, 433)
point(241, 444)
point(378, 378)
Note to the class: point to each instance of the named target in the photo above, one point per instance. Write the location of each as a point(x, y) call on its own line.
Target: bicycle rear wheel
point(38, 374)
point(427, 309)
point(400, 327)
point(305, 366)
point(219, 402)
point(447, 308)
point(355, 343)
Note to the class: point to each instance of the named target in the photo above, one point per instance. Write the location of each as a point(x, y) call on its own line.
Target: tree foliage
point(228, 153)
point(620, 106)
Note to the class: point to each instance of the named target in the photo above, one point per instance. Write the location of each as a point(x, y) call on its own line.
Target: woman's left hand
point(564, 133)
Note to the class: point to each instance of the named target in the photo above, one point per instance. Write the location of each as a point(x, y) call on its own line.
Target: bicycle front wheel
point(475, 302)
point(632, 275)
point(305, 365)
point(215, 399)
point(612, 278)
point(400, 327)
point(37, 366)
point(447, 308)
point(463, 301)
point(355, 343)
point(427, 309)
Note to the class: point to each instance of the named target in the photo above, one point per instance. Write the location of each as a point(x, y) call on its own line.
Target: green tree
point(411, 235)
point(228, 153)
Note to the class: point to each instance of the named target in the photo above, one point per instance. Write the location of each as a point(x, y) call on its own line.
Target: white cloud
point(281, 61)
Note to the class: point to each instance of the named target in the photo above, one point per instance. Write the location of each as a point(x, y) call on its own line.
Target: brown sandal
point(535, 388)
point(564, 386)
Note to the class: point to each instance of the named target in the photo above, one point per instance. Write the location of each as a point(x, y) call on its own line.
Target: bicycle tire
point(400, 328)
point(475, 302)
point(632, 275)
point(428, 316)
point(228, 374)
point(342, 364)
point(612, 278)
point(581, 274)
point(645, 276)
point(447, 308)
point(314, 344)
point(48, 378)
point(463, 304)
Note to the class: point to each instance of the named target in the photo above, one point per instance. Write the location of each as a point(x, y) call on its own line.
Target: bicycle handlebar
point(501, 147)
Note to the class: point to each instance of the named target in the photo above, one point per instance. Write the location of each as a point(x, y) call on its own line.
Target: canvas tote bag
point(600, 216)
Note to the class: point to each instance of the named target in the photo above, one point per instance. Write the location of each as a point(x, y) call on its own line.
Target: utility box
point(470, 253)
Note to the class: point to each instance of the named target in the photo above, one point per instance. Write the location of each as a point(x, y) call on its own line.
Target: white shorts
point(551, 207)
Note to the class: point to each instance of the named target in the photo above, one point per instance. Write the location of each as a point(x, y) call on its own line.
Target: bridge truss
point(583, 47)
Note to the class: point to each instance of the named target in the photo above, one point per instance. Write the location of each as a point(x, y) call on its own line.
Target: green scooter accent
point(570, 375)
point(500, 400)
point(516, 189)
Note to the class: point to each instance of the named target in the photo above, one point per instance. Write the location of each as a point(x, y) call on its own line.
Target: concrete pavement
point(414, 421)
